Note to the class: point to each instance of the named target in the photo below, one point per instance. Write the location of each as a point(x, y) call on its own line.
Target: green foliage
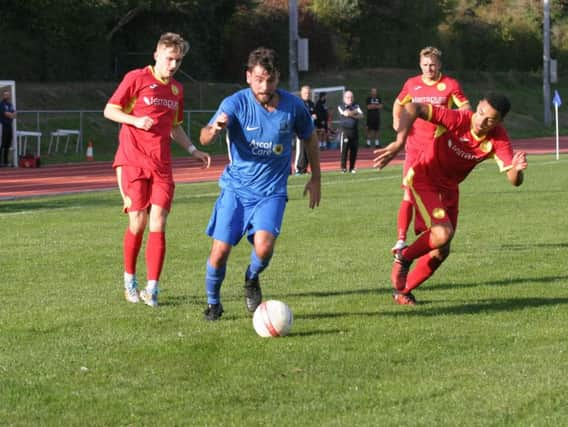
point(336, 12)
point(486, 346)
point(65, 40)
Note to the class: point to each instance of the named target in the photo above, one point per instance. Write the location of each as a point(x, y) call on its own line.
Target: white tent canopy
point(11, 85)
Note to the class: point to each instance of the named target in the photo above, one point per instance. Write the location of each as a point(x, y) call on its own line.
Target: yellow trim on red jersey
point(431, 82)
point(406, 100)
point(151, 67)
point(457, 102)
point(429, 117)
point(130, 106)
point(501, 164)
point(408, 181)
point(440, 130)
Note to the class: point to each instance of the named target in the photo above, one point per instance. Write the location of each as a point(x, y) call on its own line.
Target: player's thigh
point(267, 216)
point(162, 190)
point(451, 201)
point(136, 185)
point(429, 207)
point(227, 222)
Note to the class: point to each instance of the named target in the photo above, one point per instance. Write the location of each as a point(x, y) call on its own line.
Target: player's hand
point(385, 155)
point(520, 162)
point(313, 186)
point(126, 203)
point(204, 157)
point(144, 123)
point(221, 122)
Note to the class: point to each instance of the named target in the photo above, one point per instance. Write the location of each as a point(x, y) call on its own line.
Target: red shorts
point(411, 155)
point(433, 205)
point(145, 187)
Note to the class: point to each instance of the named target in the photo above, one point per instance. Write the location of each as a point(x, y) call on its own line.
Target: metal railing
point(89, 123)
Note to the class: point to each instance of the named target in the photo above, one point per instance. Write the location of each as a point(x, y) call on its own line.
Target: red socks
point(419, 247)
point(424, 268)
point(404, 218)
point(132, 244)
point(155, 254)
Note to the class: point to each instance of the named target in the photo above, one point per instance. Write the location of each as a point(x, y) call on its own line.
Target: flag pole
point(557, 101)
point(557, 135)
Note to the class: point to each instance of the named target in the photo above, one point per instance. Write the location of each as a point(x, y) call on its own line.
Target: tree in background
point(62, 40)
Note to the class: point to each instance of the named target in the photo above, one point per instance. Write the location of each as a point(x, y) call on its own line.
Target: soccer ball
point(272, 319)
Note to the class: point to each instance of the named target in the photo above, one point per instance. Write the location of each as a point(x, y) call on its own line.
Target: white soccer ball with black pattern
point(272, 318)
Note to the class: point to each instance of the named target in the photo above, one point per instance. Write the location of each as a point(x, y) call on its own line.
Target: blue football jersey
point(260, 142)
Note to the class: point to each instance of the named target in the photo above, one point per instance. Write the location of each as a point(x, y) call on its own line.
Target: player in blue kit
point(262, 122)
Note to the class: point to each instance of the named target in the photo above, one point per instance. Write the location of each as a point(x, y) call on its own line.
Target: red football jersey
point(141, 93)
point(446, 92)
point(455, 151)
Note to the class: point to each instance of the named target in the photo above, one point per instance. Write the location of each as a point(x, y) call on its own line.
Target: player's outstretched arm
point(396, 112)
point(210, 132)
point(383, 156)
point(408, 115)
point(313, 186)
point(515, 174)
point(181, 138)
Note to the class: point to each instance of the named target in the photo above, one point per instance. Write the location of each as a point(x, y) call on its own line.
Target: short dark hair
point(266, 58)
point(498, 101)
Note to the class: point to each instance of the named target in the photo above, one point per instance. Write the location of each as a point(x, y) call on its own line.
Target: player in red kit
point(149, 105)
point(430, 87)
point(463, 140)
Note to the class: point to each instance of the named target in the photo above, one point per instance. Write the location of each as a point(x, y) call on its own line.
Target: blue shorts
point(233, 217)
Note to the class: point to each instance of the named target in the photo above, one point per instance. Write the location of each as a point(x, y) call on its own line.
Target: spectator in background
point(374, 107)
point(321, 120)
point(7, 115)
point(301, 161)
point(349, 115)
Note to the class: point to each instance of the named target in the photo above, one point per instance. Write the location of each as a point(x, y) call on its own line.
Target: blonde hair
point(431, 51)
point(175, 41)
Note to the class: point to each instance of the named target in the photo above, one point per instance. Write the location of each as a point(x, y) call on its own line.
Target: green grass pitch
point(486, 346)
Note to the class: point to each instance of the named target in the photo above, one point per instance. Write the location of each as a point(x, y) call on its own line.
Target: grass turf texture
point(486, 345)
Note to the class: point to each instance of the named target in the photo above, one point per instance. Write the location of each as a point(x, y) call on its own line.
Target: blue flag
point(556, 100)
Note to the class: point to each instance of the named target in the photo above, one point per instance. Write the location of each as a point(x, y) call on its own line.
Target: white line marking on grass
point(40, 210)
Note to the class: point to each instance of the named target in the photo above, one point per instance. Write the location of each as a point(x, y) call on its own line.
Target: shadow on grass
point(503, 282)
point(325, 294)
point(319, 315)
point(315, 332)
point(536, 245)
point(484, 306)
point(178, 300)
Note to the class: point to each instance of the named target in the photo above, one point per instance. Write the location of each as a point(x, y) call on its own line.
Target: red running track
point(95, 176)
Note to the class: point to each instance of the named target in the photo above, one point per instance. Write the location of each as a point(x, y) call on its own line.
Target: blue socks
point(214, 276)
point(213, 280)
point(257, 265)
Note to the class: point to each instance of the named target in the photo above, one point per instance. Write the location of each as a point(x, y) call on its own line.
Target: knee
point(264, 251)
point(158, 219)
point(219, 256)
point(442, 253)
point(441, 235)
point(137, 222)
point(264, 247)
